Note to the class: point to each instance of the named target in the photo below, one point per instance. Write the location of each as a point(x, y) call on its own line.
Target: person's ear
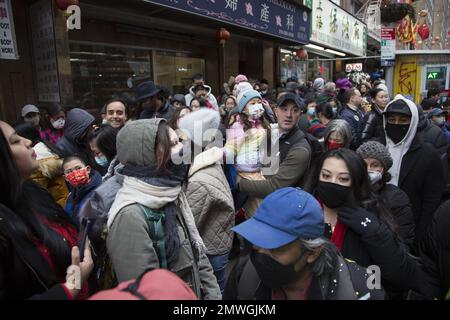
point(312, 257)
point(88, 169)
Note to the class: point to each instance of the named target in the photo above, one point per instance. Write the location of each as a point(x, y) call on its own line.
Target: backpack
point(316, 147)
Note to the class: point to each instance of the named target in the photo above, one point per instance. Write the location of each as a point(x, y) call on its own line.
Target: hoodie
point(209, 96)
point(399, 150)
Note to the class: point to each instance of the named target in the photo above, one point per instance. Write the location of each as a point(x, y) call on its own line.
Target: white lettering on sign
point(8, 44)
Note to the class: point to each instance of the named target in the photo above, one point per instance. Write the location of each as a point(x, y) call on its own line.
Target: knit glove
point(360, 220)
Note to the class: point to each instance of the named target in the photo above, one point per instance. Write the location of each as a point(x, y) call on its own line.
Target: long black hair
point(22, 202)
point(31, 133)
point(105, 138)
point(361, 189)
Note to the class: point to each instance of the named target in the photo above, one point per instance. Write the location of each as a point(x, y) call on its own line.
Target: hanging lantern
point(424, 31)
point(423, 13)
point(302, 54)
point(64, 4)
point(223, 35)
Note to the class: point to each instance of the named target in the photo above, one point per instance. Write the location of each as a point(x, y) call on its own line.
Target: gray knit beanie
point(136, 142)
point(375, 150)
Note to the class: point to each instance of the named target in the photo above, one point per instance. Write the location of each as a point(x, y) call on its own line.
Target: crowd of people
point(289, 193)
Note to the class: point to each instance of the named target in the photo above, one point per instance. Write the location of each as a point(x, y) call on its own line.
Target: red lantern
point(424, 31)
point(223, 35)
point(64, 4)
point(302, 54)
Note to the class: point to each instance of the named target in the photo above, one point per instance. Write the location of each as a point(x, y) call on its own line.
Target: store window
point(175, 70)
point(291, 66)
point(318, 68)
point(436, 77)
point(99, 72)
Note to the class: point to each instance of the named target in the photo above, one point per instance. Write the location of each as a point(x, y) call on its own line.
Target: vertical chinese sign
point(407, 77)
point(8, 44)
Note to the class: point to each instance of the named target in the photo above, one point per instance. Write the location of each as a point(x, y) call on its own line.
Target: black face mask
point(333, 195)
point(396, 132)
point(272, 273)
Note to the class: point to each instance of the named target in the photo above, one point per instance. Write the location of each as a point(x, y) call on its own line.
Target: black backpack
point(316, 147)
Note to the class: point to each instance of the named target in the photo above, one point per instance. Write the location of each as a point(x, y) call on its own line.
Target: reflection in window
point(99, 72)
point(175, 71)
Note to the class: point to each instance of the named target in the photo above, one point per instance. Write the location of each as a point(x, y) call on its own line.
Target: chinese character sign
point(8, 45)
point(335, 28)
point(275, 17)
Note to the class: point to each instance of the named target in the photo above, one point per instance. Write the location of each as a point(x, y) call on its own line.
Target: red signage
point(387, 33)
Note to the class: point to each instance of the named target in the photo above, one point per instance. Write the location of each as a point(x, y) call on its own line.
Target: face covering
point(311, 112)
point(59, 124)
point(78, 177)
point(333, 195)
point(263, 93)
point(332, 145)
point(334, 110)
point(255, 111)
point(34, 121)
point(272, 273)
point(439, 121)
point(102, 161)
point(375, 176)
point(396, 132)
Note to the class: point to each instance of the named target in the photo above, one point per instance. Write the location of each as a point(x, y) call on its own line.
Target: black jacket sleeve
point(368, 130)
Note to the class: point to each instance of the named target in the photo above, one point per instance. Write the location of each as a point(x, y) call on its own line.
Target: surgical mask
point(396, 132)
point(311, 112)
point(34, 121)
point(59, 124)
point(375, 176)
point(272, 273)
point(439, 121)
point(255, 111)
point(102, 161)
point(334, 110)
point(78, 178)
point(263, 93)
point(333, 195)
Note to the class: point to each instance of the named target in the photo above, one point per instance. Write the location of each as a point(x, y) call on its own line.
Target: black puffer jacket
point(373, 127)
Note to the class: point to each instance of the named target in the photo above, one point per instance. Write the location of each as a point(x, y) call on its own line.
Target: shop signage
point(434, 75)
point(8, 44)
point(388, 44)
point(349, 67)
point(278, 18)
point(44, 50)
point(335, 28)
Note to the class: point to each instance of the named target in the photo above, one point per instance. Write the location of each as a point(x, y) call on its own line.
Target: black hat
point(291, 97)
point(147, 90)
point(399, 106)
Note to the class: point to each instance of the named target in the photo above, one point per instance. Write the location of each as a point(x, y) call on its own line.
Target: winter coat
point(49, 174)
point(24, 272)
point(166, 112)
point(209, 96)
point(356, 121)
point(77, 122)
point(399, 205)
point(418, 171)
point(373, 127)
point(434, 252)
point(294, 161)
point(211, 201)
point(348, 281)
point(79, 196)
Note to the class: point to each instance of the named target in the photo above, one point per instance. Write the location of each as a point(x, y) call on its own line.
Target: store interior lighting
point(313, 46)
point(335, 52)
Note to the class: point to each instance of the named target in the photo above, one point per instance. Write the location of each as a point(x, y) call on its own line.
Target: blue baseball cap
point(436, 112)
point(284, 216)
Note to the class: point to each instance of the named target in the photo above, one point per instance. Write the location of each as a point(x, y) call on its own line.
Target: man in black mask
point(290, 259)
point(417, 167)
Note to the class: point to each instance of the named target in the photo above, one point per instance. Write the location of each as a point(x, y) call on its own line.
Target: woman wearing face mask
point(56, 121)
point(373, 127)
point(49, 173)
point(338, 134)
point(150, 223)
point(357, 222)
point(324, 114)
point(103, 144)
point(379, 161)
point(37, 241)
point(245, 144)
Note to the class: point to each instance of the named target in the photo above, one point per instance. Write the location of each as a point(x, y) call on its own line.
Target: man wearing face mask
point(417, 167)
point(290, 258)
point(30, 115)
point(379, 161)
point(439, 117)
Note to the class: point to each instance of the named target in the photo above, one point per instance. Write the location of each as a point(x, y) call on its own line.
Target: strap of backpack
point(155, 222)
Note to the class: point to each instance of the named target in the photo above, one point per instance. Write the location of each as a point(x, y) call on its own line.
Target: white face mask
point(59, 124)
point(375, 176)
point(255, 111)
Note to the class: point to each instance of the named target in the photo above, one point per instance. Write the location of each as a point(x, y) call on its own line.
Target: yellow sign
point(407, 77)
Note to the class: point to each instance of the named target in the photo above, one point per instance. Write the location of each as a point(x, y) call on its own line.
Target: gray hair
point(342, 128)
point(330, 87)
point(327, 259)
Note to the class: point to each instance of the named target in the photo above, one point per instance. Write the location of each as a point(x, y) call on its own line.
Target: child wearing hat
point(246, 138)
